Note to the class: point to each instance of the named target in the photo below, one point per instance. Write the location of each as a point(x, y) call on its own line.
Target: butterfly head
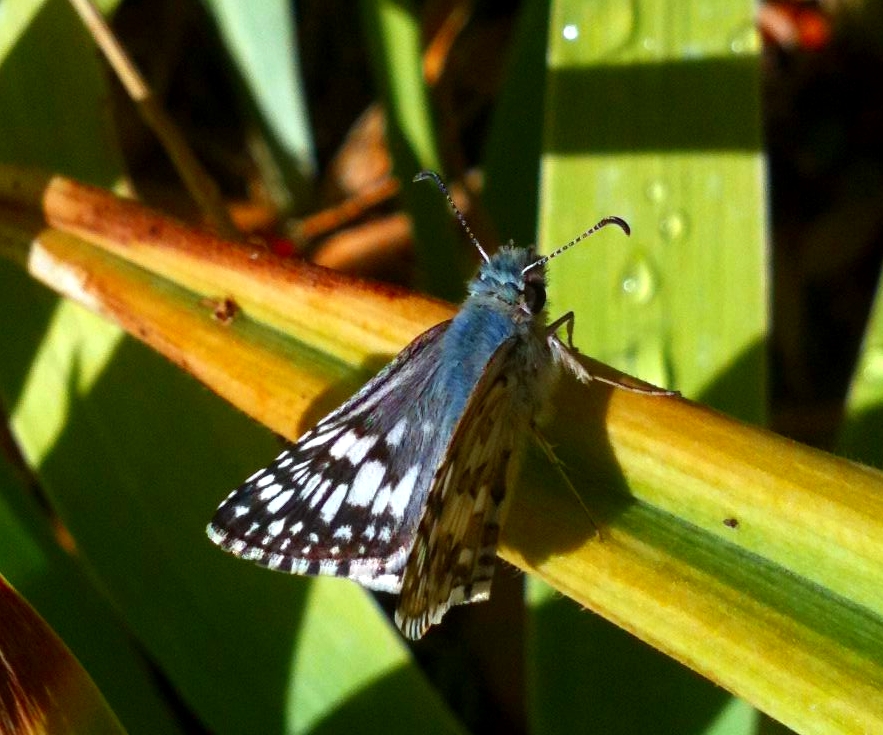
point(514, 276)
point(517, 277)
point(509, 276)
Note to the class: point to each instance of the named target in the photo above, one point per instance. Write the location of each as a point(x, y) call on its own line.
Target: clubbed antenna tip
point(612, 220)
point(422, 176)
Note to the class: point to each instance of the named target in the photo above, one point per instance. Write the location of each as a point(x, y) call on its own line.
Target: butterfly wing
point(346, 498)
point(453, 558)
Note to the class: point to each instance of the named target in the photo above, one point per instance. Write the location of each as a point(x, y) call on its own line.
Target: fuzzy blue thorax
point(495, 311)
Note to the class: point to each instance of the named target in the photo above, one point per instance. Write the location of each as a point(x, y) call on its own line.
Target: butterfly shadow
point(562, 502)
point(350, 381)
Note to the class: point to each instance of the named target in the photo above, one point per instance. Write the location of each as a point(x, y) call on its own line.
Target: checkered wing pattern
point(346, 499)
point(455, 549)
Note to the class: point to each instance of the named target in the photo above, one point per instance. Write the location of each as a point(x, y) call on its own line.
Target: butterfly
point(403, 488)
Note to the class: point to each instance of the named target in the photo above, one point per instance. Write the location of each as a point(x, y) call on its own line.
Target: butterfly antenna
point(618, 221)
point(422, 176)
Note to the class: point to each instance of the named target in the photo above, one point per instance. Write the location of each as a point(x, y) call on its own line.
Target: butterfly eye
point(534, 297)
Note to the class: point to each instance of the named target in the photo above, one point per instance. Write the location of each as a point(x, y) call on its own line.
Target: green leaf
point(261, 39)
point(393, 34)
point(44, 49)
point(862, 433)
point(650, 115)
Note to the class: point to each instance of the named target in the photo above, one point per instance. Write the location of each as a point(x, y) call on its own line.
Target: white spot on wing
point(382, 582)
point(332, 505)
point(275, 505)
point(275, 528)
point(322, 490)
point(215, 534)
point(269, 492)
point(344, 533)
point(381, 500)
point(298, 475)
point(343, 445)
point(266, 480)
point(366, 483)
point(317, 440)
point(358, 450)
point(398, 500)
point(239, 545)
point(307, 491)
point(395, 435)
point(481, 591)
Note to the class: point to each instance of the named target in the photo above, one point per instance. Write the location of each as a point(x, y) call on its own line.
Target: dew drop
point(745, 40)
point(656, 191)
point(673, 226)
point(570, 32)
point(638, 282)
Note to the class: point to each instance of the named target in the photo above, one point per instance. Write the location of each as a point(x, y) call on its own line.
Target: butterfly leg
point(559, 465)
point(566, 320)
point(564, 354)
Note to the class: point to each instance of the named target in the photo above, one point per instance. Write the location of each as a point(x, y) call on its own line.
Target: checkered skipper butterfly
point(404, 487)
